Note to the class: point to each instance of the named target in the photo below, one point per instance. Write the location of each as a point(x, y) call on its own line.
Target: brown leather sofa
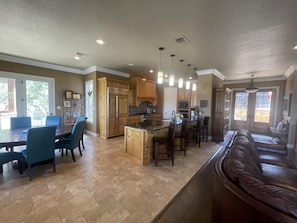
point(248, 188)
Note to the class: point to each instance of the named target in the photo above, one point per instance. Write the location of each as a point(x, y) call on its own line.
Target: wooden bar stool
point(183, 136)
point(168, 143)
point(195, 131)
point(204, 128)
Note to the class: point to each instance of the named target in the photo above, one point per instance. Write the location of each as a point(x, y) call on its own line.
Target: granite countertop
point(150, 125)
point(133, 114)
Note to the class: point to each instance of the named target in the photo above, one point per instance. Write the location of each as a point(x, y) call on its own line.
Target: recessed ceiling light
point(100, 41)
point(151, 71)
point(295, 47)
point(130, 64)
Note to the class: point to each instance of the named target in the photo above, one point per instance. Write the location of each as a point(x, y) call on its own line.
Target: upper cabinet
point(184, 95)
point(142, 89)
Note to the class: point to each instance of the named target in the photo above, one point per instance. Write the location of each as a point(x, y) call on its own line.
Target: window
point(241, 103)
point(263, 106)
point(25, 95)
point(89, 101)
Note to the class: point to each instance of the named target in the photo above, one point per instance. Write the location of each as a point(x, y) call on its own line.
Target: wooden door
point(254, 111)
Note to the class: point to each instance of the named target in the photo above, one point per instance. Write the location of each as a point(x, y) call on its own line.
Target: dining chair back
point(79, 119)
point(40, 146)
point(20, 122)
point(53, 120)
point(73, 141)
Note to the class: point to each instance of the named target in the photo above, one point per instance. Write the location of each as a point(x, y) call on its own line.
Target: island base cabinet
point(139, 143)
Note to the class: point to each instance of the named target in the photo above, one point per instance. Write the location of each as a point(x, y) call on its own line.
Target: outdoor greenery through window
point(89, 101)
point(263, 106)
point(25, 95)
point(241, 103)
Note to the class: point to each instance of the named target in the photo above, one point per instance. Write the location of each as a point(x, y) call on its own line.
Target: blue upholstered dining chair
point(53, 120)
point(40, 146)
point(20, 122)
point(73, 141)
point(6, 157)
point(79, 119)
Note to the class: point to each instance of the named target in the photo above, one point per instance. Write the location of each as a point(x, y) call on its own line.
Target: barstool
point(204, 128)
point(168, 143)
point(183, 136)
point(195, 131)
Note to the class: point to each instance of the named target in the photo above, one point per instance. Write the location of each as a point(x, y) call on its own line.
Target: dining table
point(18, 137)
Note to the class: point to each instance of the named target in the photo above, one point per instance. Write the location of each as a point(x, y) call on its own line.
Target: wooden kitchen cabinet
point(142, 89)
point(184, 95)
point(113, 106)
point(134, 119)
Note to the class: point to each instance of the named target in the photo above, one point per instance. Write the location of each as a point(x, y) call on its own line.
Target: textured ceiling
point(236, 37)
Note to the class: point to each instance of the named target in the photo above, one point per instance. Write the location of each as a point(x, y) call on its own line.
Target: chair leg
point(29, 171)
point(20, 166)
point(1, 168)
point(72, 155)
point(82, 142)
point(79, 150)
point(172, 155)
point(156, 151)
point(54, 164)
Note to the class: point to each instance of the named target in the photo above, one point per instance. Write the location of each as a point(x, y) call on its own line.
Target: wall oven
point(183, 108)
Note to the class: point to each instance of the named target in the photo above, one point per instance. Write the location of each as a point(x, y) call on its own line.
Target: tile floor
point(103, 185)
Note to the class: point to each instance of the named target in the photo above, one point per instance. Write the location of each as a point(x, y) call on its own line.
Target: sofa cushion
point(276, 197)
point(250, 147)
point(239, 162)
point(279, 176)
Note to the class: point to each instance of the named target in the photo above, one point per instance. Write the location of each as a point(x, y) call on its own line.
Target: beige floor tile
point(104, 185)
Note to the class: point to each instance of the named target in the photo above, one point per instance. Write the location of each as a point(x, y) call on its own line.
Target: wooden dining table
point(18, 137)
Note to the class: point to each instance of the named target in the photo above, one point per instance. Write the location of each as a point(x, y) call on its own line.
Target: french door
point(25, 95)
point(255, 111)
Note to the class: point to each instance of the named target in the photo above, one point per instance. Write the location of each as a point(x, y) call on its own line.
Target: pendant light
point(188, 83)
point(251, 88)
point(160, 72)
point(181, 80)
point(194, 86)
point(171, 76)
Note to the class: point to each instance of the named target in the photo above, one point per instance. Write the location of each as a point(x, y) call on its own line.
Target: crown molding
point(35, 63)
point(290, 70)
point(261, 79)
point(211, 71)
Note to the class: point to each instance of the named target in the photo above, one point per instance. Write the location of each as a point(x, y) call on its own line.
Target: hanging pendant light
point(188, 82)
point(181, 80)
point(171, 76)
point(251, 88)
point(194, 85)
point(160, 72)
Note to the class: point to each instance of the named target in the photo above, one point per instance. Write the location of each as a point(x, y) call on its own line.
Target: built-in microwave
point(183, 104)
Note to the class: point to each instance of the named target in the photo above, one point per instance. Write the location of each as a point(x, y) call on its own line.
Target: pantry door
point(253, 111)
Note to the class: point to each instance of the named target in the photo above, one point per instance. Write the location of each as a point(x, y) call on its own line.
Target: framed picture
point(75, 96)
point(68, 94)
point(203, 103)
point(67, 104)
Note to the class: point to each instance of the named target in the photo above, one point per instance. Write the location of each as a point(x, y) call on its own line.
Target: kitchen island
point(139, 139)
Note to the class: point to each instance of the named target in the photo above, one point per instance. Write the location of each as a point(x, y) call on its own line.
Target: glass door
point(26, 95)
point(253, 111)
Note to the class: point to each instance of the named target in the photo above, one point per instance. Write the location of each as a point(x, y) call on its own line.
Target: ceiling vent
point(182, 39)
